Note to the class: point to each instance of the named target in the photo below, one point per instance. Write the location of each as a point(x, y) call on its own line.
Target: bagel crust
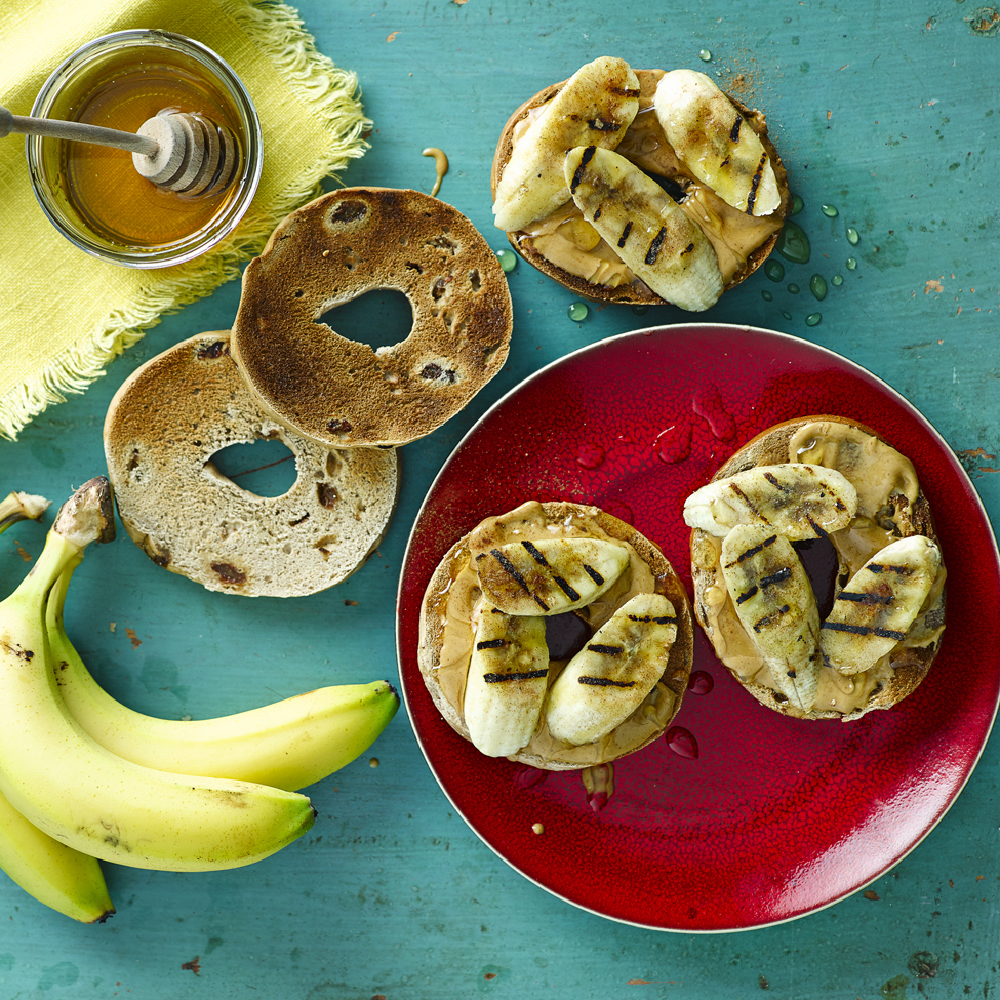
point(891, 506)
point(342, 394)
point(646, 145)
point(447, 637)
point(162, 429)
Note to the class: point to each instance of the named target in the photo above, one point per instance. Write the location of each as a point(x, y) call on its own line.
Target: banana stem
point(86, 517)
point(21, 507)
point(55, 606)
point(58, 553)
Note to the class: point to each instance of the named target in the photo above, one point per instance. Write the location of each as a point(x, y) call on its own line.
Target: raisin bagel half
point(890, 507)
point(454, 598)
point(343, 394)
point(162, 429)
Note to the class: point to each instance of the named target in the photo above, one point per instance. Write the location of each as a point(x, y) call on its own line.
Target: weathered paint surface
point(888, 112)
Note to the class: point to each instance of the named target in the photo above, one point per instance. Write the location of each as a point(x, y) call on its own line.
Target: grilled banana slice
point(647, 228)
point(715, 143)
point(775, 604)
point(795, 500)
point(879, 604)
point(609, 678)
point(551, 575)
point(594, 107)
point(507, 681)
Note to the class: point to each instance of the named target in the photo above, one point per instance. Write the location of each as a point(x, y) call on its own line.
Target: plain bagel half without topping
point(162, 429)
point(344, 394)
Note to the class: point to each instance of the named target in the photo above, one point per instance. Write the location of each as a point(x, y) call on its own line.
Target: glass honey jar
point(93, 195)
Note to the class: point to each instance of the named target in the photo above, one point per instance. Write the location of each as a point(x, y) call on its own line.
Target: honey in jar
point(103, 186)
point(93, 194)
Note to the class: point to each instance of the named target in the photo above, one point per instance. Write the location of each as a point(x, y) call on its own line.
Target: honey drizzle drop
point(440, 165)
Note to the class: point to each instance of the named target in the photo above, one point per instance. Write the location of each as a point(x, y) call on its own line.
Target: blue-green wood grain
point(889, 111)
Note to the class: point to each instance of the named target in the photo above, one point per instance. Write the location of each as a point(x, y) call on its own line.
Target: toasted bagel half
point(163, 427)
point(454, 601)
point(343, 394)
point(890, 507)
point(566, 248)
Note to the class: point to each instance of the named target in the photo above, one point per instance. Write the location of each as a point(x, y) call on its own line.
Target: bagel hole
point(381, 318)
point(264, 467)
point(819, 560)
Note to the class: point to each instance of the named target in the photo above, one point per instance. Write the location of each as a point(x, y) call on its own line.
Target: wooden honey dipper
point(180, 152)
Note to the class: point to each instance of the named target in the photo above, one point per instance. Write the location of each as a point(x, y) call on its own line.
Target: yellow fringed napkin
point(65, 314)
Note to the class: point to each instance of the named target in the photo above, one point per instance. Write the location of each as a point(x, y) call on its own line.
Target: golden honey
point(104, 187)
point(93, 195)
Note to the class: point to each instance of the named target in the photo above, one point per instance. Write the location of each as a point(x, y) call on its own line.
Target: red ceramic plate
point(774, 817)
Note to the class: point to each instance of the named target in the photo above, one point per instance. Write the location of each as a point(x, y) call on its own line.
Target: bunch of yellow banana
point(84, 778)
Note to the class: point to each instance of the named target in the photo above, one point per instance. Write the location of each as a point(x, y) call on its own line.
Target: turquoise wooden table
point(888, 112)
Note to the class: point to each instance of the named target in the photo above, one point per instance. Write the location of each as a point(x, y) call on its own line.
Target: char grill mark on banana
point(507, 681)
point(654, 236)
point(758, 176)
point(753, 550)
point(593, 108)
point(777, 576)
point(607, 680)
point(797, 500)
point(774, 602)
point(526, 675)
point(561, 581)
point(512, 571)
point(601, 647)
point(549, 576)
point(696, 115)
point(653, 251)
point(618, 649)
point(878, 605)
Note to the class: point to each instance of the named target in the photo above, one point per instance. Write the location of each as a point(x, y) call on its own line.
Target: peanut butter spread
point(877, 471)
point(569, 242)
point(452, 611)
point(874, 468)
